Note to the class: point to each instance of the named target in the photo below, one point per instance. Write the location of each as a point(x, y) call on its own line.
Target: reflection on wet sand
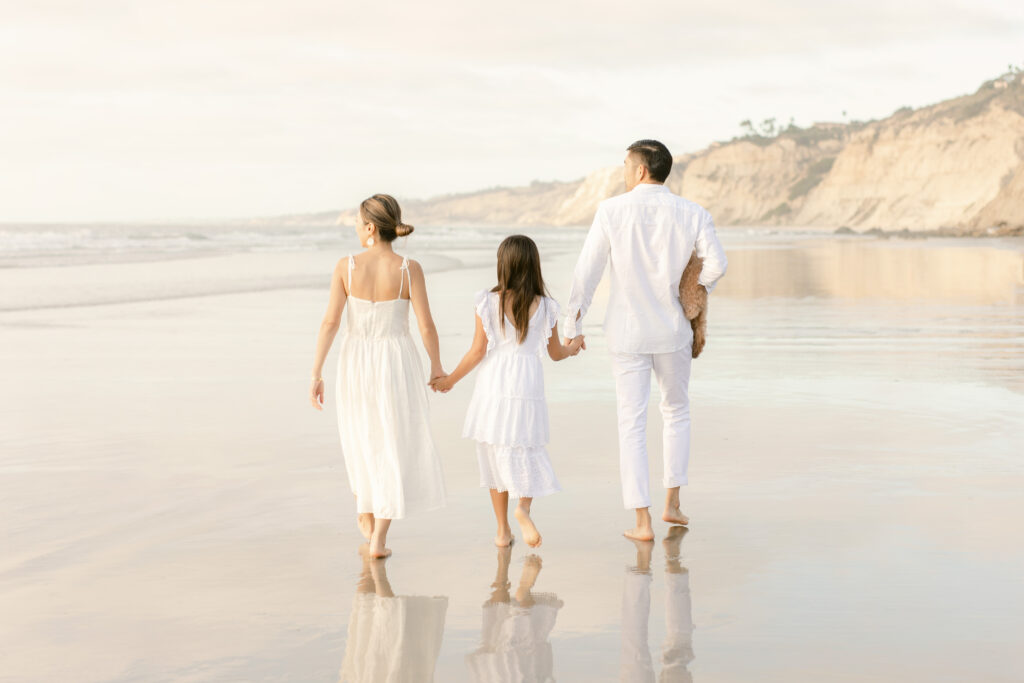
point(677, 652)
point(391, 639)
point(515, 629)
point(895, 271)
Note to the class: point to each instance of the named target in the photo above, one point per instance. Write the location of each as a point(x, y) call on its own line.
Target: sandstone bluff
point(955, 167)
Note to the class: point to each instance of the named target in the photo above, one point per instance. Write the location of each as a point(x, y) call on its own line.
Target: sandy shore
point(173, 510)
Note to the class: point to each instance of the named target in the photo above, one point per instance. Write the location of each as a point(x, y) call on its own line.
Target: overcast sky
point(145, 110)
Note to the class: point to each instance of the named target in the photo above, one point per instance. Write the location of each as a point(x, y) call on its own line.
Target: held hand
point(316, 393)
point(576, 344)
point(443, 384)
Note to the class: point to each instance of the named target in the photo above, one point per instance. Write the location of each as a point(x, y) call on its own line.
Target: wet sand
point(173, 509)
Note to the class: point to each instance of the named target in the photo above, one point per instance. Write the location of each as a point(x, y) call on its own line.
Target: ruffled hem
point(522, 472)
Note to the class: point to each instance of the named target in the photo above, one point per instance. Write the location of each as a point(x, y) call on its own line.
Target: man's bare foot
point(639, 534)
point(365, 522)
point(675, 516)
point(530, 533)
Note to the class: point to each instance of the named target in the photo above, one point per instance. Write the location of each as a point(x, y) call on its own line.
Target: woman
point(392, 465)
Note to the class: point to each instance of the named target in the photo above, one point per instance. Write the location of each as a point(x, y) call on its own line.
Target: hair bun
point(403, 229)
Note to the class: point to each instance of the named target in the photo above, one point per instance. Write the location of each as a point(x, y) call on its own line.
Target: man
point(647, 235)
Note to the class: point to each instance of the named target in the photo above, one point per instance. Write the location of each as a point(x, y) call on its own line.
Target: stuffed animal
point(694, 298)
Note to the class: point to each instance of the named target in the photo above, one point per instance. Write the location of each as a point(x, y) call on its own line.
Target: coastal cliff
point(956, 167)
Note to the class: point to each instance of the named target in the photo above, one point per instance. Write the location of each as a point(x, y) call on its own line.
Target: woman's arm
point(559, 351)
point(328, 330)
point(428, 331)
point(476, 353)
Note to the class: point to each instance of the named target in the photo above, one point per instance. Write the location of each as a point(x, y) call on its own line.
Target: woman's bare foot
point(530, 533)
point(365, 522)
point(673, 515)
point(379, 539)
point(376, 549)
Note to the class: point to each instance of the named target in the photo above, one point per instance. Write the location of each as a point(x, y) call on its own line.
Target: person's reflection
point(677, 653)
point(515, 645)
point(391, 639)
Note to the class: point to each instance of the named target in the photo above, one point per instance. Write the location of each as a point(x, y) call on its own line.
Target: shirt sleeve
point(589, 270)
point(710, 249)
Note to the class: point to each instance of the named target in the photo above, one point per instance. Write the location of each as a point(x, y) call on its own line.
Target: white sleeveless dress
point(508, 415)
point(392, 465)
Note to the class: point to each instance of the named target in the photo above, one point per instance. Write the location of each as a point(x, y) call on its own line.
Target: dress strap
point(351, 264)
point(404, 273)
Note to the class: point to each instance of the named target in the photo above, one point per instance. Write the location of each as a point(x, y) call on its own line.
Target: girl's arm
point(428, 331)
point(476, 353)
point(328, 330)
point(559, 351)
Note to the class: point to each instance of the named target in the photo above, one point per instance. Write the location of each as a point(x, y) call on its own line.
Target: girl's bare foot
point(673, 515)
point(365, 521)
point(530, 533)
point(504, 539)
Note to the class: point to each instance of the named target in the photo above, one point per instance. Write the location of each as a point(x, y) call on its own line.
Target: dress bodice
point(377, 319)
point(502, 337)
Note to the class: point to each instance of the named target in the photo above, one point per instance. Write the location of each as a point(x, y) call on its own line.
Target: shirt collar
point(650, 187)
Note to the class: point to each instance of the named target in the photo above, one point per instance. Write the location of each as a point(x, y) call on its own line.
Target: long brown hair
point(384, 212)
point(519, 281)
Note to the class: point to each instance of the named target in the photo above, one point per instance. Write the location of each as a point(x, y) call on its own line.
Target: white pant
point(633, 391)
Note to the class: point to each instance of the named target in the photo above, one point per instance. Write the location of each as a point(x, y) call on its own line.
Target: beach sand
point(173, 509)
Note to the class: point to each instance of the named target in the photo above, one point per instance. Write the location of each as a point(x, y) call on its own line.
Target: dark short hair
point(655, 156)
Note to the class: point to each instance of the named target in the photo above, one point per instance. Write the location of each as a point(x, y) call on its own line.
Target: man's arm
point(586, 276)
point(710, 249)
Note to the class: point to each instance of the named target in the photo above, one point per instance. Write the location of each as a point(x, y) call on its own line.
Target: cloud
point(158, 110)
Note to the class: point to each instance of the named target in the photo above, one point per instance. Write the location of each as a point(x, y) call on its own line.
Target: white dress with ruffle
point(508, 415)
point(383, 414)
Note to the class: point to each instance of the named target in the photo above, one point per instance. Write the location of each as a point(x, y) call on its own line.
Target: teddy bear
point(694, 298)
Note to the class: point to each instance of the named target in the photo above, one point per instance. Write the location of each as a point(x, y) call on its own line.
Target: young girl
point(508, 417)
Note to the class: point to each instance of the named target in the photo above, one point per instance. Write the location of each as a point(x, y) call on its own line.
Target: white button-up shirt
point(647, 235)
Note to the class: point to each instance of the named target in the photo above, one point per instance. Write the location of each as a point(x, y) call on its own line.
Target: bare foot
point(504, 540)
point(638, 533)
point(365, 522)
point(530, 533)
point(376, 549)
point(675, 516)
